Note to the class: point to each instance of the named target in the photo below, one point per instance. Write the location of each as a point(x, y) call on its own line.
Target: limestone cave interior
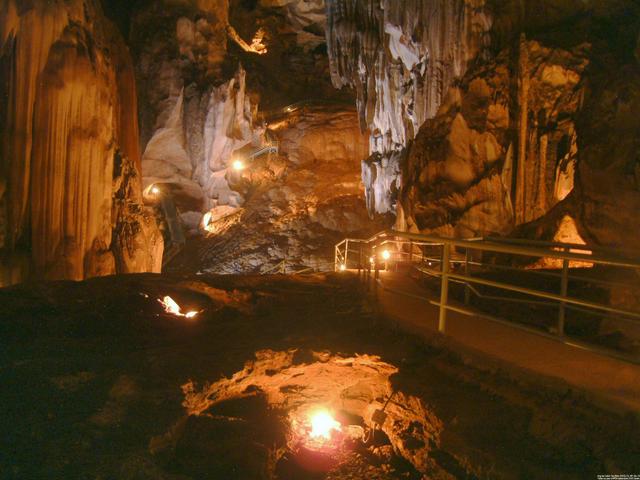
point(320, 239)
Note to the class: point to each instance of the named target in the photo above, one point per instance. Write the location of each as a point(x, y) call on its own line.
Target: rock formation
point(512, 114)
point(400, 57)
point(69, 113)
point(206, 103)
point(463, 175)
point(298, 202)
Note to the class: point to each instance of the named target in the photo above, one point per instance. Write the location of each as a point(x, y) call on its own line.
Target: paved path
point(611, 382)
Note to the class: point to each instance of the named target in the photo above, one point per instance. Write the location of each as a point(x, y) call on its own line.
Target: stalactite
point(523, 130)
point(400, 57)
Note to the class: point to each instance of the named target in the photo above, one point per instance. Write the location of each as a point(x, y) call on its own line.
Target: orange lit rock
point(464, 166)
point(71, 111)
point(298, 203)
point(302, 383)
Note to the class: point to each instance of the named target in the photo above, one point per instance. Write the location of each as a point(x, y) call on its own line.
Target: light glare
point(172, 307)
point(322, 423)
point(386, 255)
point(238, 165)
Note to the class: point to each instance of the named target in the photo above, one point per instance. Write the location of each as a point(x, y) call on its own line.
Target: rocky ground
point(98, 382)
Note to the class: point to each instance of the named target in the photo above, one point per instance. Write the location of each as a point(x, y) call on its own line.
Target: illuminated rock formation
point(70, 112)
point(193, 118)
point(400, 57)
point(298, 203)
point(488, 141)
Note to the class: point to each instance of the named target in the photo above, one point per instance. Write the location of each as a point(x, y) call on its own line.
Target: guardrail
point(281, 268)
point(451, 260)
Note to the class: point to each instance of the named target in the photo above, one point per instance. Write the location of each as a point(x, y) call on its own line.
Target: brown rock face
point(501, 150)
point(400, 57)
point(608, 184)
point(298, 203)
point(70, 112)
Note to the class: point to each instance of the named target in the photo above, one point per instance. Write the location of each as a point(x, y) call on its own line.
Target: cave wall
point(506, 117)
point(69, 116)
point(200, 112)
point(400, 57)
point(299, 202)
point(195, 110)
point(502, 149)
point(553, 106)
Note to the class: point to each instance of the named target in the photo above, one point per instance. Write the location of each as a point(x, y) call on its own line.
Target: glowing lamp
point(343, 267)
point(155, 190)
point(171, 306)
point(322, 424)
point(238, 165)
point(386, 255)
point(372, 260)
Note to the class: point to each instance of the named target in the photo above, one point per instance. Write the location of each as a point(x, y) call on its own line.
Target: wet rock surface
point(96, 379)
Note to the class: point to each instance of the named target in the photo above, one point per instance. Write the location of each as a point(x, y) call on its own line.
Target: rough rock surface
point(488, 141)
point(537, 138)
point(608, 171)
point(93, 387)
point(193, 115)
point(295, 382)
point(69, 110)
point(400, 57)
point(298, 203)
point(199, 105)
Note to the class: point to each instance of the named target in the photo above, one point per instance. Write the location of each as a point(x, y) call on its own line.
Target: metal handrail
point(281, 265)
point(565, 252)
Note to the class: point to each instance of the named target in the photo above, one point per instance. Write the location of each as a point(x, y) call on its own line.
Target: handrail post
point(444, 287)
point(467, 290)
point(360, 266)
point(346, 254)
point(564, 284)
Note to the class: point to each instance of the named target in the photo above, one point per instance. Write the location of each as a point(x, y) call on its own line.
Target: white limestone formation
point(400, 57)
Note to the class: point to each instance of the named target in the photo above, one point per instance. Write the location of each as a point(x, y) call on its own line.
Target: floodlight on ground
point(343, 267)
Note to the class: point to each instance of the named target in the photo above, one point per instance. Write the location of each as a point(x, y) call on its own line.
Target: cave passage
point(319, 239)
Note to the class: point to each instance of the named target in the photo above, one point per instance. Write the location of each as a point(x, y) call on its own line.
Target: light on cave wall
point(206, 222)
point(238, 165)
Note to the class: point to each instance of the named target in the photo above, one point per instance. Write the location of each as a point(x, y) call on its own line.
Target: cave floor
point(92, 375)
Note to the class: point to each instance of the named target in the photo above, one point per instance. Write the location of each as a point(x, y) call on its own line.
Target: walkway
point(608, 381)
